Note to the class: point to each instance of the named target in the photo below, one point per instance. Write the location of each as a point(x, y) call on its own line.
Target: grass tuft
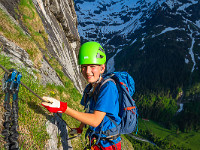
point(32, 116)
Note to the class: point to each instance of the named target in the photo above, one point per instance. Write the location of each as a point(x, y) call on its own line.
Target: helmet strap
point(100, 76)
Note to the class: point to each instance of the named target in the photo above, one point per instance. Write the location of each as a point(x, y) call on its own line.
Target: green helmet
point(91, 53)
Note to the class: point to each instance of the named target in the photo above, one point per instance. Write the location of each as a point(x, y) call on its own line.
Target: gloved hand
point(75, 131)
point(53, 105)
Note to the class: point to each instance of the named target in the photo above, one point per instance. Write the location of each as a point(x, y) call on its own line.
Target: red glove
point(75, 131)
point(53, 105)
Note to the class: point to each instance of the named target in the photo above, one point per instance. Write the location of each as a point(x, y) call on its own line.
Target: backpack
point(127, 108)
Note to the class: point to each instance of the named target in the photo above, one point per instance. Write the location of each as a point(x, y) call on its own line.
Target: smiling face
point(92, 72)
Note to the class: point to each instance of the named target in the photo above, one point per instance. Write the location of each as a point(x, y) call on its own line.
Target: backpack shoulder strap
point(98, 88)
point(96, 94)
point(105, 81)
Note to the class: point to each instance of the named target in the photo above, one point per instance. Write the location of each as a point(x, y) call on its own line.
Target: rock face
point(57, 127)
point(60, 23)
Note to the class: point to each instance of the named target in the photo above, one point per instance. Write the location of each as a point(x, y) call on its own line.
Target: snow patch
point(185, 6)
point(186, 61)
point(198, 23)
point(168, 29)
point(179, 40)
point(142, 47)
point(111, 63)
point(170, 4)
point(191, 51)
point(181, 108)
point(133, 42)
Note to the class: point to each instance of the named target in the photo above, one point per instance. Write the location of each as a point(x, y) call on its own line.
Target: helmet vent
point(101, 49)
point(99, 55)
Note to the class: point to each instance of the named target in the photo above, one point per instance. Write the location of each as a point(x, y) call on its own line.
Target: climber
point(92, 59)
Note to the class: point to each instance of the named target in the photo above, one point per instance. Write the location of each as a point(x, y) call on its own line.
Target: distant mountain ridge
point(156, 41)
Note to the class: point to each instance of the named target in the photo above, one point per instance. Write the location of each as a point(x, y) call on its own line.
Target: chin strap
point(93, 85)
point(99, 80)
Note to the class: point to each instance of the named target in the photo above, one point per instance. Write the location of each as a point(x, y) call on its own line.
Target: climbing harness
point(10, 86)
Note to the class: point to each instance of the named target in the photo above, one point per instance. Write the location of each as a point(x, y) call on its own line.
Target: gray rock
point(60, 23)
point(56, 127)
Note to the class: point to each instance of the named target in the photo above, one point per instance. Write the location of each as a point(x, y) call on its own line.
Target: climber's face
point(92, 72)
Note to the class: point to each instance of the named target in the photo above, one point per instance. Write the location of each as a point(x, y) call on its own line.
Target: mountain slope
point(157, 40)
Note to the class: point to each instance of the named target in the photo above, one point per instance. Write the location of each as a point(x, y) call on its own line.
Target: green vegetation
point(163, 79)
point(157, 107)
point(193, 90)
point(164, 138)
point(176, 128)
point(33, 23)
point(32, 116)
point(31, 125)
point(189, 119)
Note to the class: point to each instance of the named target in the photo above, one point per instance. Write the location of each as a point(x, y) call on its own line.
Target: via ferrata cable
point(35, 95)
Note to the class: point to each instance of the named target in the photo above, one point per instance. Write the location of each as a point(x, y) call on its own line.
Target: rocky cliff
point(41, 36)
point(49, 31)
